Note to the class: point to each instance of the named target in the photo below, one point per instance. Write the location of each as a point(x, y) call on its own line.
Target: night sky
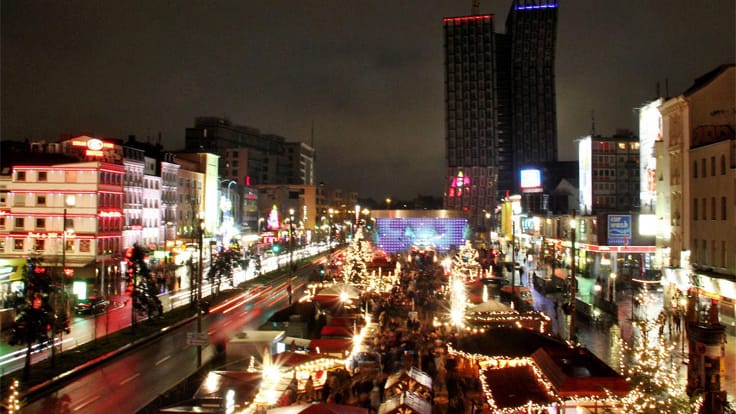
point(368, 74)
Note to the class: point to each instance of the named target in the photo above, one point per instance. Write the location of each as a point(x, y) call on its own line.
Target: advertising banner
point(619, 229)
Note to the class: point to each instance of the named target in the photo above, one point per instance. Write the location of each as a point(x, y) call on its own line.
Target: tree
point(222, 268)
point(465, 262)
point(357, 254)
point(35, 316)
point(652, 372)
point(144, 292)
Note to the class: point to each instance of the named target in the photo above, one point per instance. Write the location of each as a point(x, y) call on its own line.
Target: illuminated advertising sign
point(531, 180)
point(585, 170)
point(648, 224)
point(619, 230)
point(400, 234)
point(650, 131)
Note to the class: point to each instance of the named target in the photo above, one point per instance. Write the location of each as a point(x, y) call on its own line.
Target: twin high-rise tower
point(500, 111)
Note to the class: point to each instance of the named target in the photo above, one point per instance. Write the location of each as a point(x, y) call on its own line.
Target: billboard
point(619, 229)
point(400, 234)
point(650, 131)
point(531, 180)
point(585, 170)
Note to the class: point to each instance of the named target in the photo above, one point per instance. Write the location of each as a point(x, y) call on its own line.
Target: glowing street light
point(573, 279)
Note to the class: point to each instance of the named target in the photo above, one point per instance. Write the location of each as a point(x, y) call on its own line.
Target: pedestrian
point(309, 389)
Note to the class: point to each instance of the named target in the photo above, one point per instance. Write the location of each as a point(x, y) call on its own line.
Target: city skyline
point(367, 76)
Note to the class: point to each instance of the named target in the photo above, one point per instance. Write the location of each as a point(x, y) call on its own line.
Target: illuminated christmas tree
point(357, 254)
point(465, 262)
point(653, 373)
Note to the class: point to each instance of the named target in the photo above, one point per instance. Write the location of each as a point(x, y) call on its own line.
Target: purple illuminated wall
point(400, 234)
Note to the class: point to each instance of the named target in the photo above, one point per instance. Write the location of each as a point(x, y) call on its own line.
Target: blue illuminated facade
point(400, 234)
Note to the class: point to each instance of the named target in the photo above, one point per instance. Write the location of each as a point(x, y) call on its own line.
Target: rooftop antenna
point(592, 123)
point(475, 8)
point(311, 143)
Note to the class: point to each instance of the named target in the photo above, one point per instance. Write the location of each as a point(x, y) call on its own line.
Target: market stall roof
point(245, 384)
point(291, 358)
point(406, 402)
point(517, 386)
point(510, 342)
point(578, 372)
point(421, 377)
point(336, 332)
point(331, 346)
point(339, 289)
point(318, 408)
point(491, 306)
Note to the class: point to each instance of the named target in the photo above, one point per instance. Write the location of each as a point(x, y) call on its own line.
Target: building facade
point(69, 216)
point(470, 116)
point(609, 173)
point(531, 27)
point(500, 110)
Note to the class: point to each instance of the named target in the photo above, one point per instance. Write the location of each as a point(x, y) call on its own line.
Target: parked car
point(92, 305)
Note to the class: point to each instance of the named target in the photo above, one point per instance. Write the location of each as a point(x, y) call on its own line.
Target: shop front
point(709, 288)
point(11, 281)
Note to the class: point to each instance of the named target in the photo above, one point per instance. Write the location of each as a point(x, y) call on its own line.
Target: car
point(92, 305)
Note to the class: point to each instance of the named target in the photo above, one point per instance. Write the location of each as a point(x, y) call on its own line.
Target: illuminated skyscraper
point(470, 118)
point(531, 27)
point(500, 104)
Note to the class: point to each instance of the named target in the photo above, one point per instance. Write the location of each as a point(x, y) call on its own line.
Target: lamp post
point(199, 287)
point(388, 203)
point(69, 201)
point(613, 288)
point(331, 212)
point(573, 279)
point(291, 251)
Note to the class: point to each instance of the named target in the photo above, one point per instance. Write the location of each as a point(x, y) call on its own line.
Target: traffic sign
point(197, 339)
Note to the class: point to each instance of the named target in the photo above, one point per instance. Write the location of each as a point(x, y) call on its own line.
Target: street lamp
point(388, 203)
point(291, 251)
point(613, 289)
point(573, 279)
point(69, 201)
point(199, 287)
point(331, 212)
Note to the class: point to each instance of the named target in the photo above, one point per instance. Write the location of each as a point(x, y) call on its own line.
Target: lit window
point(18, 244)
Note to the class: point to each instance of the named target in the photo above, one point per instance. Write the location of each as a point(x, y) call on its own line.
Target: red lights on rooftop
point(467, 18)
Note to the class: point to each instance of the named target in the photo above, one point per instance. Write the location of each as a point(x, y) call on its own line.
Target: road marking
point(162, 360)
point(86, 403)
point(131, 378)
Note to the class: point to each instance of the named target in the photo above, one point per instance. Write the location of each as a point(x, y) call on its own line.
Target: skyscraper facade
point(500, 111)
point(531, 26)
point(470, 117)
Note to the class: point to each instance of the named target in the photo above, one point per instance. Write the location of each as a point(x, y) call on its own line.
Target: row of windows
point(71, 177)
point(713, 213)
point(704, 169)
point(42, 245)
point(715, 256)
point(105, 224)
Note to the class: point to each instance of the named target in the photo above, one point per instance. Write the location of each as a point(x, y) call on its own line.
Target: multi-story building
point(699, 143)
point(470, 116)
point(69, 216)
point(609, 173)
point(133, 162)
point(300, 161)
point(531, 27)
point(249, 156)
point(500, 104)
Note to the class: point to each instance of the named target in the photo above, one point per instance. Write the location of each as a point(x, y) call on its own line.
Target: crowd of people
point(407, 336)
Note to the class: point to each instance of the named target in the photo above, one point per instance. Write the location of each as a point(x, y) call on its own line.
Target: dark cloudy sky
point(369, 74)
